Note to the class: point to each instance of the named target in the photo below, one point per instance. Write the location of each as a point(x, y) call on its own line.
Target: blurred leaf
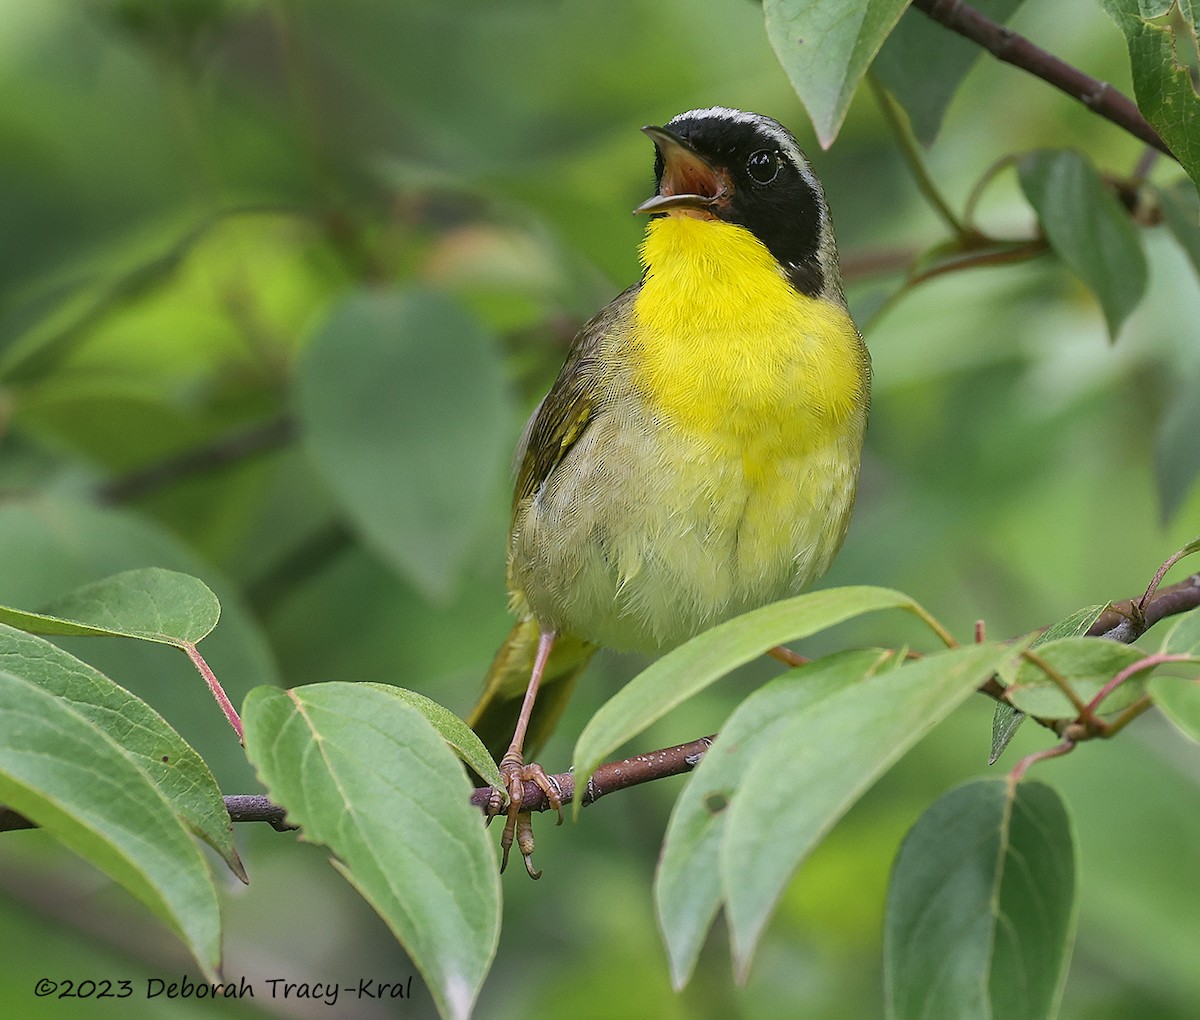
point(365, 774)
point(922, 64)
point(1007, 720)
point(152, 604)
point(1176, 452)
point(1088, 228)
point(826, 46)
point(1163, 85)
point(702, 661)
point(833, 751)
point(982, 905)
point(1087, 664)
point(78, 783)
point(162, 754)
point(1181, 212)
point(687, 886)
point(1179, 699)
point(403, 402)
point(453, 730)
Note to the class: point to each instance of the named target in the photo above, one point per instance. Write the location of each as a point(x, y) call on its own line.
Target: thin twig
point(616, 775)
point(237, 446)
point(1117, 622)
point(912, 155)
point(1005, 44)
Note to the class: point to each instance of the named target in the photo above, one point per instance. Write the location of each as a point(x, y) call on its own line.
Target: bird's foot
point(518, 826)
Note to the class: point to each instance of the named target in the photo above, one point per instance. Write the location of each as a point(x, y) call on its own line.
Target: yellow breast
point(725, 346)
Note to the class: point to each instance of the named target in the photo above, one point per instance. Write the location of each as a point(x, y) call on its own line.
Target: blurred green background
point(190, 190)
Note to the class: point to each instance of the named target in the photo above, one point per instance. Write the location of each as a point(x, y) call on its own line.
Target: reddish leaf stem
point(214, 685)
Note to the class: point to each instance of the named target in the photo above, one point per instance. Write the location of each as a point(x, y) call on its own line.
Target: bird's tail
point(495, 716)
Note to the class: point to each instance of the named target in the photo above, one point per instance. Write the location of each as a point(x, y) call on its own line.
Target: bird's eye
point(763, 166)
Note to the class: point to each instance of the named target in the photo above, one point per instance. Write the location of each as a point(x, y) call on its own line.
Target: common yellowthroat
point(698, 455)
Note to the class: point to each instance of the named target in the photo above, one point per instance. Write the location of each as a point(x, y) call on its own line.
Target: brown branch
point(254, 807)
point(1005, 44)
point(1119, 621)
point(616, 775)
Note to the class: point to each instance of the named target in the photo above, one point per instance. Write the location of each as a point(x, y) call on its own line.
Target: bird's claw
point(518, 826)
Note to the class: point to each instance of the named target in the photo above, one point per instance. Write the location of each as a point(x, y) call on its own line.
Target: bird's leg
point(516, 773)
point(787, 656)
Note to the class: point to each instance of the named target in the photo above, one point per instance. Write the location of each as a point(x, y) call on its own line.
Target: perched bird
point(698, 455)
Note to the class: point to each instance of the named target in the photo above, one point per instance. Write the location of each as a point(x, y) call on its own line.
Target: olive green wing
point(566, 411)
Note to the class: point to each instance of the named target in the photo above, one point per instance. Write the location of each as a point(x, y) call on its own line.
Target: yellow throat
point(725, 345)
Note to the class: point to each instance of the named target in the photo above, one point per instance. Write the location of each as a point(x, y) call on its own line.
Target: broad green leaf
point(817, 765)
point(1183, 637)
point(1156, 31)
point(1087, 664)
point(152, 604)
point(923, 63)
point(1007, 720)
point(981, 906)
point(402, 399)
point(687, 885)
point(81, 786)
point(1179, 699)
point(180, 774)
point(454, 731)
point(826, 46)
point(701, 662)
point(1088, 228)
point(365, 774)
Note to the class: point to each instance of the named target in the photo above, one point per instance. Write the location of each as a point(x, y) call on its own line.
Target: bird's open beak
point(689, 181)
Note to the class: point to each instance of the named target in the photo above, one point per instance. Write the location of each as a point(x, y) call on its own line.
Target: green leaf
point(922, 64)
point(403, 403)
point(1155, 30)
point(1183, 637)
point(365, 774)
point(981, 907)
point(701, 662)
point(832, 753)
point(1075, 625)
point(180, 774)
point(151, 604)
point(687, 886)
point(826, 46)
point(453, 730)
point(1087, 664)
point(81, 786)
point(1088, 228)
point(1007, 720)
point(1179, 699)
